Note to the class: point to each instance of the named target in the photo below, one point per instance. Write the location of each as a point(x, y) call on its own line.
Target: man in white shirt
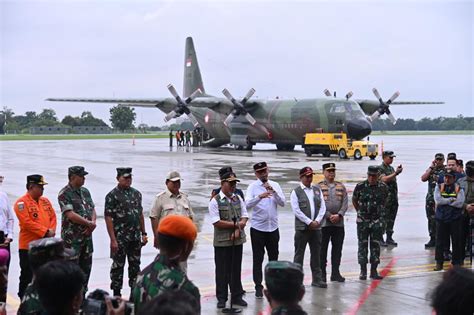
point(6, 230)
point(309, 208)
point(264, 196)
point(229, 216)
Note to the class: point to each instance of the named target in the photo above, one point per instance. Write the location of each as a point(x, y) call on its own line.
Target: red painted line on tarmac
point(370, 289)
point(267, 311)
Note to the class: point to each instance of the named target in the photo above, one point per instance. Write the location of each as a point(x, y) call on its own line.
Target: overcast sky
point(288, 49)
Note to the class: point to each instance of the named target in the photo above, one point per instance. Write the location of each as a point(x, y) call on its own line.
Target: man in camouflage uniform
point(467, 184)
point(388, 175)
point(176, 235)
point(431, 176)
point(285, 289)
point(369, 200)
point(40, 252)
point(78, 218)
point(126, 227)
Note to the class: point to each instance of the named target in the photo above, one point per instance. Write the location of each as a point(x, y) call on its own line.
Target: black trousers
point(444, 231)
point(25, 272)
point(313, 239)
point(223, 260)
point(335, 234)
point(465, 230)
point(260, 242)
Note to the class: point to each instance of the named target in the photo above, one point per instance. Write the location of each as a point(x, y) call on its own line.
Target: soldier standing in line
point(37, 220)
point(309, 209)
point(335, 197)
point(388, 175)
point(467, 184)
point(369, 198)
point(78, 218)
point(126, 227)
point(171, 138)
point(431, 176)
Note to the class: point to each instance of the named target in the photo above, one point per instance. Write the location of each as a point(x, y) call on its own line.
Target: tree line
point(121, 118)
point(439, 123)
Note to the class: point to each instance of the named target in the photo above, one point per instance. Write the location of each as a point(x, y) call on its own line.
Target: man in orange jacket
point(37, 220)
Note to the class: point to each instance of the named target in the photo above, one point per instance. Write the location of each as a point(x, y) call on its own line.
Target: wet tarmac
point(408, 267)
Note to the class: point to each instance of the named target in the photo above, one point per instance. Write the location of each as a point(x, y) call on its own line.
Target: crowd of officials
point(46, 261)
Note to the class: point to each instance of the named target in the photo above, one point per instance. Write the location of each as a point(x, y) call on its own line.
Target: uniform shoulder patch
point(21, 205)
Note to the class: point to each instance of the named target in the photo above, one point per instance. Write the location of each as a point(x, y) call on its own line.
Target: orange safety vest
point(35, 219)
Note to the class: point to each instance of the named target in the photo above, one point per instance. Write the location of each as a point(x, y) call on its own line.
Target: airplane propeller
point(239, 107)
point(384, 106)
point(182, 106)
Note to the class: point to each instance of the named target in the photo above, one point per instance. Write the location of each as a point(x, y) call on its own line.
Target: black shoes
point(383, 243)
point(240, 302)
point(220, 304)
point(259, 292)
point(363, 272)
point(374, 274)
point(390, 241)
point(319, 284)
point(438, 267)
point(337, 277)
point(431, 243)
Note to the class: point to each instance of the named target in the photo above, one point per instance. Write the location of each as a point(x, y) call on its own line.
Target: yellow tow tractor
point(337, 143)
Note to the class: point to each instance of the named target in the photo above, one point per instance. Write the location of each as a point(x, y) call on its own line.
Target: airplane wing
point(370, 106)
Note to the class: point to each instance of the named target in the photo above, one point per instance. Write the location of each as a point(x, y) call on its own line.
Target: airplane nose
point(358, 129)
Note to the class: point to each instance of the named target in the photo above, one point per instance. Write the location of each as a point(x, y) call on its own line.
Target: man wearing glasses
point(309, 208)
point(369, 200)
point(388, 175)
point(431, 176)
point(264, 196)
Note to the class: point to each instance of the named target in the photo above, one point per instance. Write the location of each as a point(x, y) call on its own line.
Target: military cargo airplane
point(246, 122)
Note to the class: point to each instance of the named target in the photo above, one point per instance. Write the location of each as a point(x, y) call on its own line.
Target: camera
point(95, 304)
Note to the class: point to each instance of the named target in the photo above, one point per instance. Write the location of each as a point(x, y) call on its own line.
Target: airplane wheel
point(342, 154)
point(239, 147)
point(248, 147)
point(357, 155)
point(308, 153)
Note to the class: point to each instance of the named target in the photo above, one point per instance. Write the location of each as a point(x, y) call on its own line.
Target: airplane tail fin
point(192, 75)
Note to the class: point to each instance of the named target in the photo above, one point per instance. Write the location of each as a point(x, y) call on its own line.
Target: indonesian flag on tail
point(188, 63)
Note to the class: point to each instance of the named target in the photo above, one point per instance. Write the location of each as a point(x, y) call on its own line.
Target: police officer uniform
point(335, 198)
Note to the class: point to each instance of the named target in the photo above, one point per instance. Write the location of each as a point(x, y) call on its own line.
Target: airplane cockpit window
point(338, 108)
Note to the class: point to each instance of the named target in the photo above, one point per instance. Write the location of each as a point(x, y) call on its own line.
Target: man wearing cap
point(78, 218)
point(263, 196)
point(126, 227)
point(170, 201)
point(40, 252)
point(222, 171)
point(335, 198)
point(284, 287)
point(37, 219)
point(176, 236)
point(309, 208)
point(6, 231)
point(229, 216)
point(431, 176)
point(388, 175)
point(369, 199)
point(449, 198)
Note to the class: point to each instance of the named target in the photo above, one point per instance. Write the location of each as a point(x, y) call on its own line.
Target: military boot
point(373, 272)
point(390, 240)
point(431, 243)
point(336, 275)
point(383, 243)
point(324, 275)
point(363, 272)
